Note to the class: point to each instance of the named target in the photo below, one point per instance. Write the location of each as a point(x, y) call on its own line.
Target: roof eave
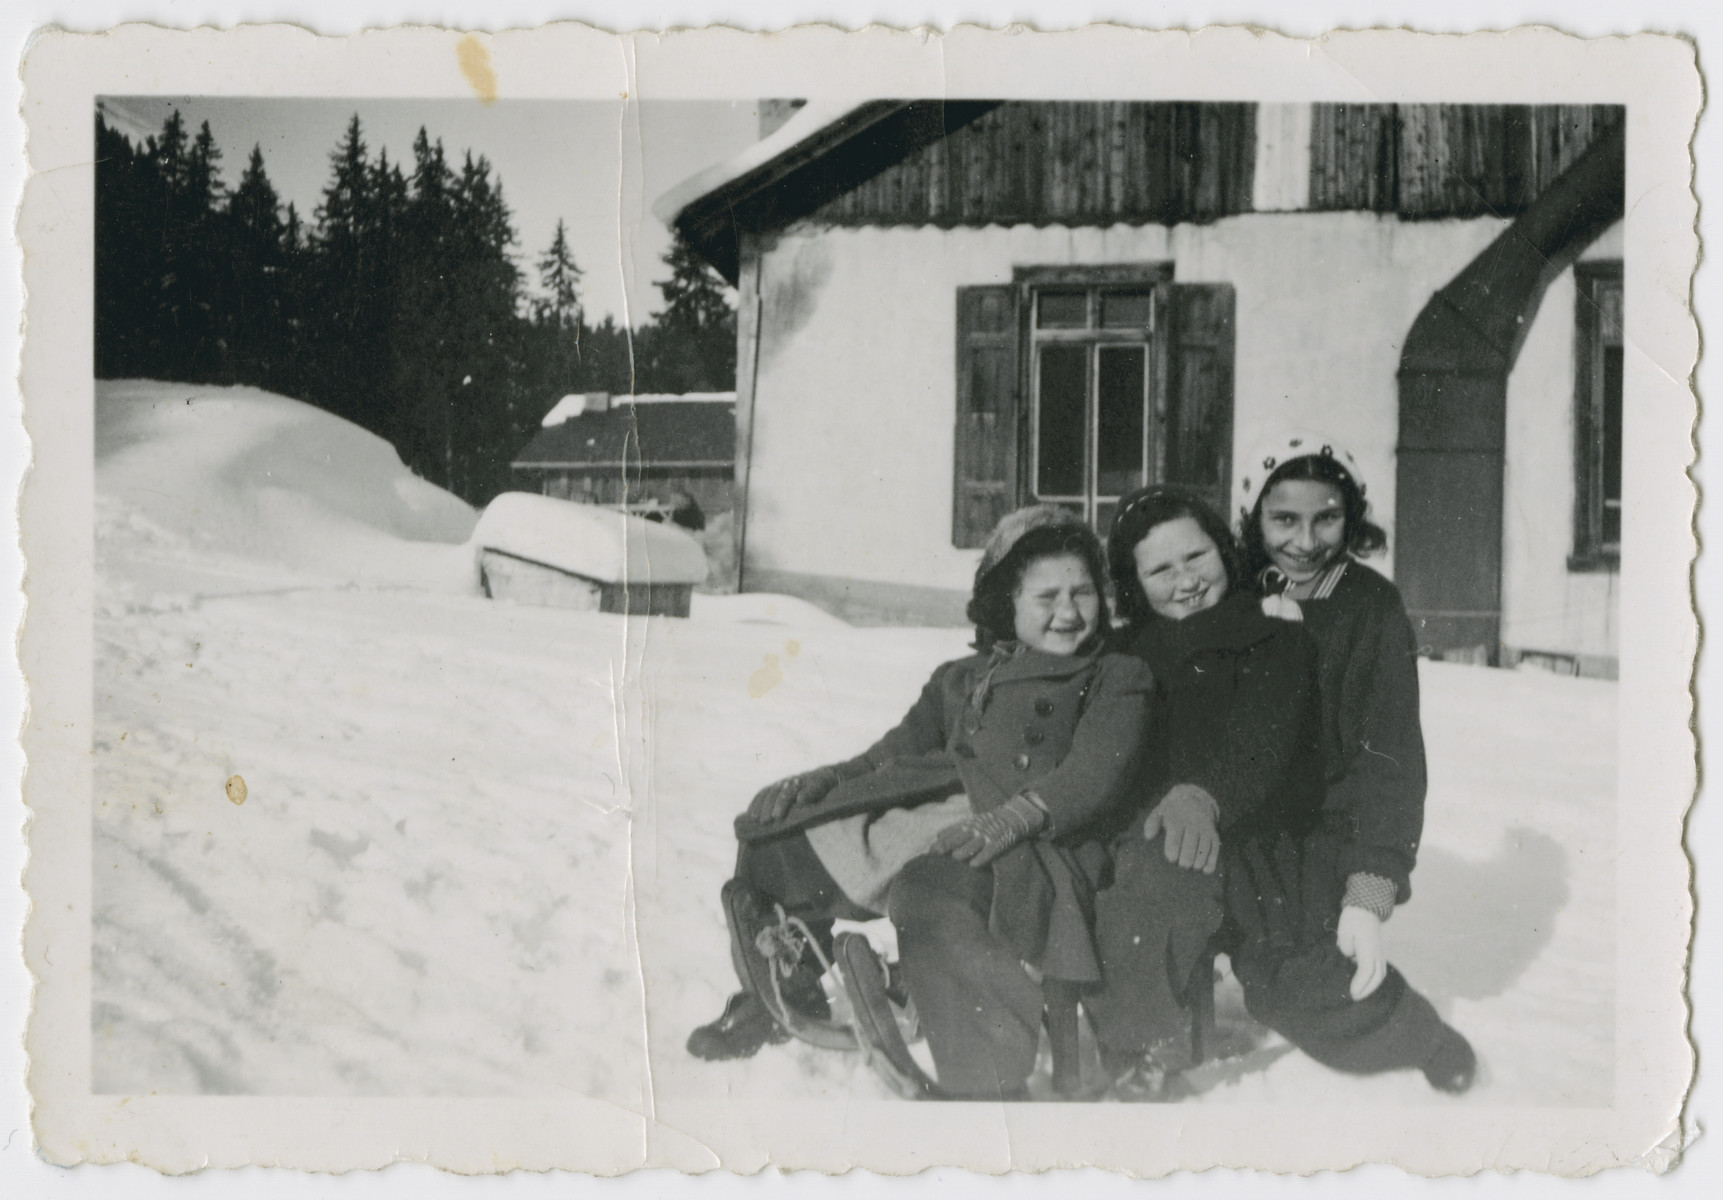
point(807, 173)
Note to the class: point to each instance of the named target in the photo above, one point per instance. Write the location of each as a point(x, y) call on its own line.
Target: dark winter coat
point(1235, 713)
point(1372, 742)
point(995, 725)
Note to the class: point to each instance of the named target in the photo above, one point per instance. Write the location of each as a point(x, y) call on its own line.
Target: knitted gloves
point(1373, 893)
point(1187, 814)
point(776, 799)
point(980, 839)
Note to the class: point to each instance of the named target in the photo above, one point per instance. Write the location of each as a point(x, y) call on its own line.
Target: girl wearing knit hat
point(1329, 988)
point(968, 825)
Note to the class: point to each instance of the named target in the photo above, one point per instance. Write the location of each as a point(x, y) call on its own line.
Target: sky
point(597, 165)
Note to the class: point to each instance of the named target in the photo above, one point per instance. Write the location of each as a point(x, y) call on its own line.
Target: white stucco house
point(951, 308)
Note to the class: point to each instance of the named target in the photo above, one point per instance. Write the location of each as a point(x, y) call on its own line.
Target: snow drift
point(483, 843)
point(243, 474)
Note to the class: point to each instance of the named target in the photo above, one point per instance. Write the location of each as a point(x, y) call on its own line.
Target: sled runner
point(876, 1019)
point(772, 950)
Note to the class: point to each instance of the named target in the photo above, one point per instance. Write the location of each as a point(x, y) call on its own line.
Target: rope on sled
point(783, 945)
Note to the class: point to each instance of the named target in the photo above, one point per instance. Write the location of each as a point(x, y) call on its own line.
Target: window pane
point(1612, 445)
point(1062, 310)
point(1119, 432)
point(1104, 510)
point(1059, 440)
point(1125, 310)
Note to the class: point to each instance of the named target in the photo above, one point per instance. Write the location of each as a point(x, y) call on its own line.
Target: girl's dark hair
point(1363, 536)
point(1141, 512)
point(993, 603)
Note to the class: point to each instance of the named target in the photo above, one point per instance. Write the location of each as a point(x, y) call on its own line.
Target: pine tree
point(693, 347)
point(695, 295)
point(552, 345)
point(168, 152)
point(559, 276)
point(204, 188)
point(292, 375)
point(347, 198)
point(257, 257)
point(487, 288)
point(161, 339)
point(126, 293)
point(423, 370)
point(348, 321)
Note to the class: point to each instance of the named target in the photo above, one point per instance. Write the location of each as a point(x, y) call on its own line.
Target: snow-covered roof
point(823, 151)
point(583, 539)
point(668, 431)
point(809, 120)
point(576, 403)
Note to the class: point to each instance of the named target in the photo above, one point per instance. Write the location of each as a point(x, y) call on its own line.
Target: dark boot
point(1454, 1064)
point(739, 1032)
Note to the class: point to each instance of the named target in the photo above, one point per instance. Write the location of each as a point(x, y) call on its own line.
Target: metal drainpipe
point(1453, 384)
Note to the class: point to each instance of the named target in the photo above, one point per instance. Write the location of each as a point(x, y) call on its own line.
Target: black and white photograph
point(870, 603)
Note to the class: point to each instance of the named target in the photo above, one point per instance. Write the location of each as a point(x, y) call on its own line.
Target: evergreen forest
point(401, 304)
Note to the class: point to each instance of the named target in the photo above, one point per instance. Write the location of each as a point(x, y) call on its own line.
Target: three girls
point(1278, 806)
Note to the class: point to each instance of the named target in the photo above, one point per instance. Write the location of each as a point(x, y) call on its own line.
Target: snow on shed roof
point(662, 433)
point(575, 403)
point(788, 175)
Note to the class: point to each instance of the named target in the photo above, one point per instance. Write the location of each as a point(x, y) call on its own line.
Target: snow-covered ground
point(481, 844)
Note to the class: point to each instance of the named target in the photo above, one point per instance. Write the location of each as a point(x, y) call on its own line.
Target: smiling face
point(1303, 526)
point(1057, 605)
point(1180, 568)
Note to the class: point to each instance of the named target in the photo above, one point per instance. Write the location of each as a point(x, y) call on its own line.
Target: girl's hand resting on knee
point(980, 839)
point(776, 799)
point(1187, 816)
point(1360, 939)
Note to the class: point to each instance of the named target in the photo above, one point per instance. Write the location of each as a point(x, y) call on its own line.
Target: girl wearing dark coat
point(1231, 775)
point(970, 823)
point(1320, 975)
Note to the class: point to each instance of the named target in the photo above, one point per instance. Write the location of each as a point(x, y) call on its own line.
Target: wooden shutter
point(1200, 391)
point(989, 390)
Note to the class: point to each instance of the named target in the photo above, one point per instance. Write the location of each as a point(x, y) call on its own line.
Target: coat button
point(1043, 707)
point(1021, 762)
point(964, 750)
point(1033, 735)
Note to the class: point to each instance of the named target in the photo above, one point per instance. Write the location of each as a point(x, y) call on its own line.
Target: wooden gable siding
point(1067, 163)
point(1425, 161)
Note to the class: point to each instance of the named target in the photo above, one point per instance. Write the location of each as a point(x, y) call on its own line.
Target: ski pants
point(979, 1008)
point(1153, 927)
point(1284, 902)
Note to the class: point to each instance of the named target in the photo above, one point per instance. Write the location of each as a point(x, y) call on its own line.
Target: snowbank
point(597, 543)
point(242, 473)
point(483, 843)
point(764, 608)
